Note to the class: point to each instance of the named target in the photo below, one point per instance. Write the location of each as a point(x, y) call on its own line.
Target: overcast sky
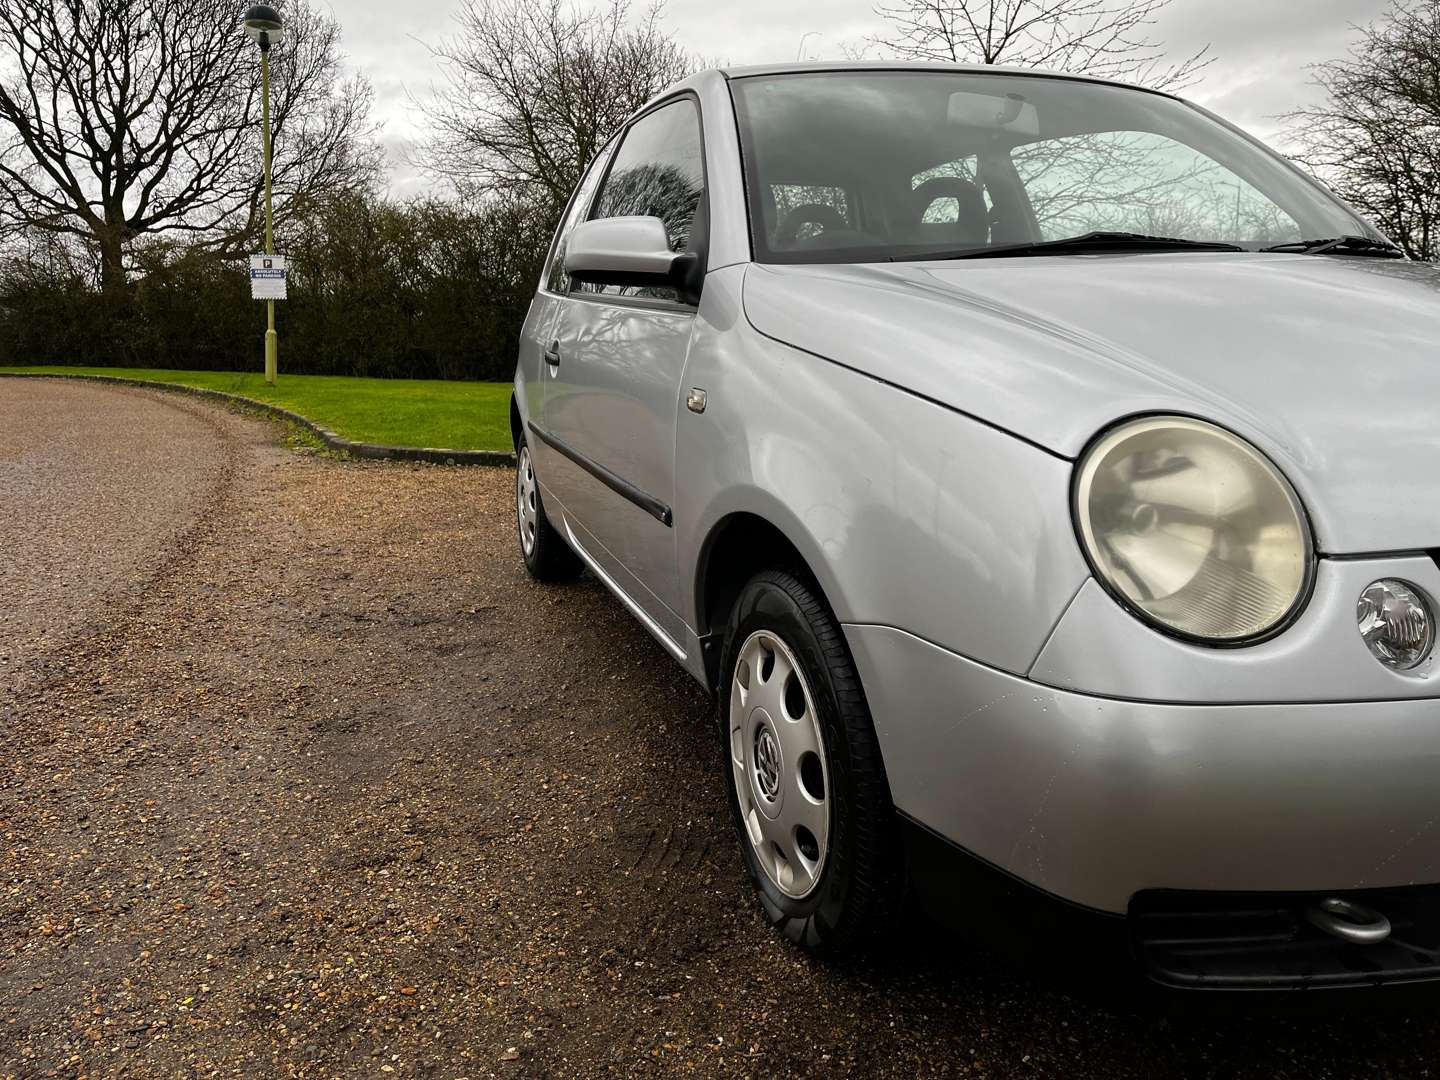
point(1262, 48)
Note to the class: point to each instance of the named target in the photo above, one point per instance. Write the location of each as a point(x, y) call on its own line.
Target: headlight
point(1193, 529)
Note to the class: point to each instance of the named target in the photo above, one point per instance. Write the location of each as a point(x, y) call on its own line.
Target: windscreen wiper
point(1343, 245)
point(1093, 243)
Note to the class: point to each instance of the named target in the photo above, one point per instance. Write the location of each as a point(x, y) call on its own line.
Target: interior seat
point(972, 217)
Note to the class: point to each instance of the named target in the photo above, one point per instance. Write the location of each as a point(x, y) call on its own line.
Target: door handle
point(552, 354)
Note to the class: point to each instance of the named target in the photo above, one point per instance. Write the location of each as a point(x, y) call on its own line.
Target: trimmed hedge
point(425, 290)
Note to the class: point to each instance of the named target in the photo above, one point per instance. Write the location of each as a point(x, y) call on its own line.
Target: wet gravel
point(302, 777)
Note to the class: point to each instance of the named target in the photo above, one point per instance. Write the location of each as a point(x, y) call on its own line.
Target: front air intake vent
point(1264, 941)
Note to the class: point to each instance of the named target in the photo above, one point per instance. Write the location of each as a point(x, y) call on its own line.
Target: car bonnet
point(1329, 365)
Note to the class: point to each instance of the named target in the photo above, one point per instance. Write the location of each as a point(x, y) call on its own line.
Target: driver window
point(657, 172)
point(1137, 181)
point(557, 281)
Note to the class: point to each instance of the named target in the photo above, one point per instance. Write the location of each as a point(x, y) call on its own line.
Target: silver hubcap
point(526, 500)
point(778, 758)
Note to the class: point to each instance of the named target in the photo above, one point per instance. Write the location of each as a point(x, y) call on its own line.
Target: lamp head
point(263, 24)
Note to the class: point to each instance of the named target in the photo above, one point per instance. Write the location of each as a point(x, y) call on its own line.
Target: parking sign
point(267, 277)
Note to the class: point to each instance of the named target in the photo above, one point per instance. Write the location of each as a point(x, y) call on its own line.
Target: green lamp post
point(263, 25)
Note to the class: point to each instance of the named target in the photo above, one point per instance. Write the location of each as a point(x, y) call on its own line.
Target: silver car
point(1045, 476)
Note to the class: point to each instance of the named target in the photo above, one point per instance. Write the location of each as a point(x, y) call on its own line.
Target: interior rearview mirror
point(631, 251)
point(995, 112)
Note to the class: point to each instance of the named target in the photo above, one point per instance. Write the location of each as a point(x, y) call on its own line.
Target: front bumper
point(1184, 941)
point(1096, 800)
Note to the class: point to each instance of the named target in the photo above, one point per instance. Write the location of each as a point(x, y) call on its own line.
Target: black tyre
point(807, 785)
point(547, 556)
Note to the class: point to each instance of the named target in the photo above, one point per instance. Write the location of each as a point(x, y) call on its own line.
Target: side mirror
point(630, 251)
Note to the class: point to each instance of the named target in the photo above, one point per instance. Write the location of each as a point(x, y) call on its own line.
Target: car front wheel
point(807, 784)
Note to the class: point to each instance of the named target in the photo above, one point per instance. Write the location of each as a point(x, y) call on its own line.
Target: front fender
point(908, 513)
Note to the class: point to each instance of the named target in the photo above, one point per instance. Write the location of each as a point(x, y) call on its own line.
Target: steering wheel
point(827, 217)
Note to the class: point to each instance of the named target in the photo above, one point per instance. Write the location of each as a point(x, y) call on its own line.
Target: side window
point(657, 172)
point(555, 279)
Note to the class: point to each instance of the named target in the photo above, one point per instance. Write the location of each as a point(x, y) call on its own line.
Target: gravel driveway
point(303, 777)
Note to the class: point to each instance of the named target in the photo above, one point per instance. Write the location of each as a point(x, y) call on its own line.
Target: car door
point(615, 369)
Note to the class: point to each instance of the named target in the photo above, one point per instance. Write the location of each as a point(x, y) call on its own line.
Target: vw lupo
point(1043, 474)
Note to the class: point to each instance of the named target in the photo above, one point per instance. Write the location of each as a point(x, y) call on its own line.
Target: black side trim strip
point(618, 484)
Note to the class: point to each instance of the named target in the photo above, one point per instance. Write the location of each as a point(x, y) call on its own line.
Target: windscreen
point(854, 166)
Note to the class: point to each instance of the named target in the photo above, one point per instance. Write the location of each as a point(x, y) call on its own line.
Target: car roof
point(814, 66)
point(701, 81)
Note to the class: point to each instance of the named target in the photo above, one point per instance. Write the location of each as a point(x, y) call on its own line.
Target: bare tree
point(1134, 181)
point(1105, 38)
point(534, 89)
point(1377, 137)
point(129, 118)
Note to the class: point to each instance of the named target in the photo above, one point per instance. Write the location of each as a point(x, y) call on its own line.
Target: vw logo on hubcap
point(767, 763)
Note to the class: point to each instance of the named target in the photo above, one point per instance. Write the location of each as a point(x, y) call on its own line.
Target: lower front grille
point(1264, 941)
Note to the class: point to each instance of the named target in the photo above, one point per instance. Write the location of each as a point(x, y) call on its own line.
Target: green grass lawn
point(399, 412)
